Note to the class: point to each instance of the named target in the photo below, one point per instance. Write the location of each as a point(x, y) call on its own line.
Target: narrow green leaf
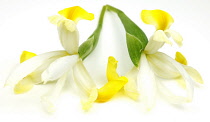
point(135, 37)
point(89, 45)
point(134, 48)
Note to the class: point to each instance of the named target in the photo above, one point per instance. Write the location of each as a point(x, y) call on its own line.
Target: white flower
point(156, 68)
point(56, 66)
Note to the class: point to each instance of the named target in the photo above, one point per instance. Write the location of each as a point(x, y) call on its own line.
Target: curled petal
point(30, 65)
point(194, 74)
point(183, 73)
point(130, 87)
point(59, 67)
point(162, 67)
point(69, 36)
point(160, 36)
point(26, 55)
point(146, 83)
point(110, 89)
point(76, 13)
point(160, 19)
point(111, 69)
point(180, 58)
point(175, 36)
point(49, 100)
point(55, 19)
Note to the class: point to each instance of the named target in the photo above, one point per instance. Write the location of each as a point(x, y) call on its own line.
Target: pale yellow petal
point(76, 13)
point(111, 72)
point(26, 55)
point(194, 74)
point(86, 105)
point(130, 88)
point(24, 85)
point(175, 36)
point(110, 89)
point(180, 58)
point(160, 19)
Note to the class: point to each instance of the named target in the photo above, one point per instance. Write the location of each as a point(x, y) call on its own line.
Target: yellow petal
point(24, 85)
point(76, 13)
point(180, 58)
point(110, 89)
point(26, 55)
point(160, 19)
point(111, 72)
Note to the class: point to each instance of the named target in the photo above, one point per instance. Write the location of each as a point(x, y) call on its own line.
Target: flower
point(162, 21)
point(156, 67)
point(55, 66)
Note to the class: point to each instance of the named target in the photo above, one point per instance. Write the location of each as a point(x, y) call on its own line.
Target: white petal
point(49, 100)
point(82, 77)
point(183, 73)
point(59, 67)
point(153, 46)
point(85, 85)
point(194, 74)
point(169, 95)
point(30, 65)
point(160, 36)
point(162, 67)
point(69, 36)
point(130, 87)
point(175, 36)
point(146, 83)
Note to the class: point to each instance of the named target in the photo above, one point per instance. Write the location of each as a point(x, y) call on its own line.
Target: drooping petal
point(85, 84)
point(76, 13)
point(160, 19)
point(69, 36)
point(146, 83)
point(26, 55)
point(169, 95)
point(183, 73)
point(33, 78)
point(162, 67)
point(59, 67)
point(130, 87)
point(30, 65)
point(110, 89)
point(194, 74)
point(180, 58)
point(111, 72)
point(160, 36)
point(153, 46)
point(175, 36)
point(24, 85)
point(49, 100)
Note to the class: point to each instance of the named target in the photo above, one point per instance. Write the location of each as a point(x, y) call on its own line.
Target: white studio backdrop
point(24, 26)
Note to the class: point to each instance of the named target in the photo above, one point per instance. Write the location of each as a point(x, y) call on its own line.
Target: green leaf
point(86, 48)
point(134, 48)
point(135, 37)
point(89, 45)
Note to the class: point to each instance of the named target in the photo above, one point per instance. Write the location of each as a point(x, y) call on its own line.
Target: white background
point(24, 26)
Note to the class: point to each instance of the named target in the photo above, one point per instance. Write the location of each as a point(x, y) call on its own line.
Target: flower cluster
point(151, 69)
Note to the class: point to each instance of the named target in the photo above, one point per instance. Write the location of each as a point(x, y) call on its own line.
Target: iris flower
point(156, 68)
point(56, 66)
